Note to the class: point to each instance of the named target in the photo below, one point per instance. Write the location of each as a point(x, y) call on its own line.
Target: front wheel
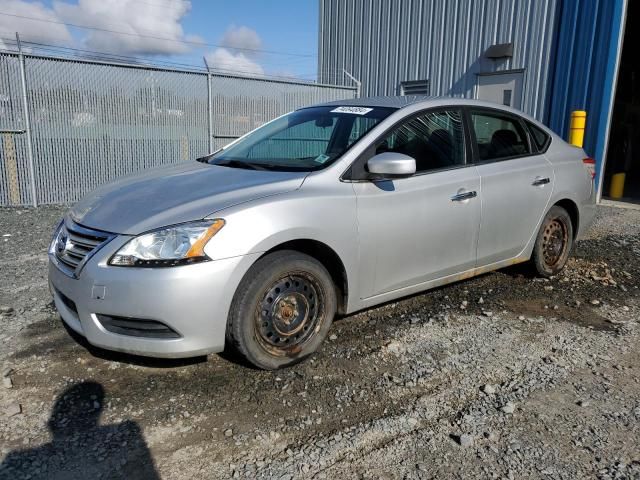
point(554, 242)
point(282, 310)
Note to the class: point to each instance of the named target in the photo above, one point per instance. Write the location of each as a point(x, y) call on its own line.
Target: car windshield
point(304, 140)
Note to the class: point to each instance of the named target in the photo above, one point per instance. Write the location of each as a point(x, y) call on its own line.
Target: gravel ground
point(500, 376)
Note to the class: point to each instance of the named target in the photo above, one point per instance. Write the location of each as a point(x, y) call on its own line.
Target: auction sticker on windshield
point(354, 110)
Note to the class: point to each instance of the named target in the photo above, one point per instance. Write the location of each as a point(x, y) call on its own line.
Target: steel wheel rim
point(289, 313)
point(554, 242)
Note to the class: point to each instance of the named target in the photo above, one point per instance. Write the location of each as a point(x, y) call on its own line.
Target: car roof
point(425, 101)
point(392, 102)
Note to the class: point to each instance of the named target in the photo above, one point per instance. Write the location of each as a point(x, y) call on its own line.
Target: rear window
point(541, 139)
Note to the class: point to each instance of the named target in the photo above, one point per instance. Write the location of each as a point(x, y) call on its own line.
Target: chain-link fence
point(90, 122)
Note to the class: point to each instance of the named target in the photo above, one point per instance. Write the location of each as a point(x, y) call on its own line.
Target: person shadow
point(81, 448)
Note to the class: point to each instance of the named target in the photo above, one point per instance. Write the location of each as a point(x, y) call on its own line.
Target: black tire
point(553, 243)
point(282, 310)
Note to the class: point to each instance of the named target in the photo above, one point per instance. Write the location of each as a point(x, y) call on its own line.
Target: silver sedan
point(327, 210)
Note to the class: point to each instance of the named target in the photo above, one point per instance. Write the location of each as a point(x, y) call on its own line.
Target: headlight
point(177, 245)
point(54, 238)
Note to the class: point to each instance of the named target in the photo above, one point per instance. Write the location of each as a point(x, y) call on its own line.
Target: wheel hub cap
point(288, 312)
point(554, 242)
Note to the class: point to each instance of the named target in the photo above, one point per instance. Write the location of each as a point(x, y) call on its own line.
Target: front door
point(516, 185)
point(424, 227)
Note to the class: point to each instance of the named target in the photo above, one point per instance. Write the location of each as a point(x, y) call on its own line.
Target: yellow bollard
point(616, 188)
point(576, 128)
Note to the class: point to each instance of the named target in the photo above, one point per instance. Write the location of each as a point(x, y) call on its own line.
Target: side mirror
point(391, 165)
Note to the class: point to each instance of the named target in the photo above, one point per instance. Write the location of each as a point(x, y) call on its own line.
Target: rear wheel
point(554, 242)
point(282, 310)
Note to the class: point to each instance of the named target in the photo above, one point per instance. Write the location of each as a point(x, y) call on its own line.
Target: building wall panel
point(588, 48)
point(385, 42)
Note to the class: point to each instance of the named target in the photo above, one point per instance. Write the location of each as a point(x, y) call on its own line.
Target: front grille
point(136, 327)
point(75, 244)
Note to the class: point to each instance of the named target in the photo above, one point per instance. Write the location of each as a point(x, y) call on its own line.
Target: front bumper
point(192, 300)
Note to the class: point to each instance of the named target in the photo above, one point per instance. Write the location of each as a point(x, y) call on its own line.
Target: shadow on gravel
point(81, 448)
point(139, 360)
point(520, 270)
point(58, 344)
point(58, 340)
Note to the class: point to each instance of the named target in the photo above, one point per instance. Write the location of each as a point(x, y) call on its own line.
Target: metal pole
point(356, 81)
point(27, 122)
point(209, 107)
point(577, 127)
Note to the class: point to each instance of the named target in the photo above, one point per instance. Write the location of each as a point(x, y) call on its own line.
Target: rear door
point(516, 184)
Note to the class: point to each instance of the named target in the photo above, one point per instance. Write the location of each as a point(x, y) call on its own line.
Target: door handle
point(539, 181)
point(461, 197)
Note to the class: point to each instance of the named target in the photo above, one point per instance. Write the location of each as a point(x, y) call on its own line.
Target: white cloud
point(223, 59)
point(155, 19)
point(239, 49)
point(239, 52)
point(242, 38)
point(32, 30)
point(159, 19)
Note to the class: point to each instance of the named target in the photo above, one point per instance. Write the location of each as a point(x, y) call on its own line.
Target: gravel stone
point(489, 389)
point(465, 440)
point(13, 409)
point(508, 408)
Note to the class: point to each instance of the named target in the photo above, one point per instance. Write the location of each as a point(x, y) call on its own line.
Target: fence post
point(354, 80)
point(209, 107)
point(27, 122)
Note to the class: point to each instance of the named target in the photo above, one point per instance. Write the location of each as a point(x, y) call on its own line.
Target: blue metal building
point(546, 57)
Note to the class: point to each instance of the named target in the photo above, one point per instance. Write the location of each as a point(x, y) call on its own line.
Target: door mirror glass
point(391, 165)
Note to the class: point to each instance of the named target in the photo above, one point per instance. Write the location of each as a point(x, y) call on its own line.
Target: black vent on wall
point(501, 50)
point(414, 87)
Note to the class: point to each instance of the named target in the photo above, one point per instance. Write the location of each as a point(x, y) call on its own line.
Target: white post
point(354, 80)
point(209, 106)
point(27, 122)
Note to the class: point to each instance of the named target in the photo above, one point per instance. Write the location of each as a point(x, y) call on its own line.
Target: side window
point(434, 139)
point(540, 137)
point(498, 136)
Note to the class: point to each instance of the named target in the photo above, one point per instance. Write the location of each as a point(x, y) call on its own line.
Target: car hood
point(176, 194)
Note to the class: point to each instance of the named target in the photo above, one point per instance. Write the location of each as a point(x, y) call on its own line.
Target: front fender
point(324, 215)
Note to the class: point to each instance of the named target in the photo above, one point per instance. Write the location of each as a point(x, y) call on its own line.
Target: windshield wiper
point(240, 164)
